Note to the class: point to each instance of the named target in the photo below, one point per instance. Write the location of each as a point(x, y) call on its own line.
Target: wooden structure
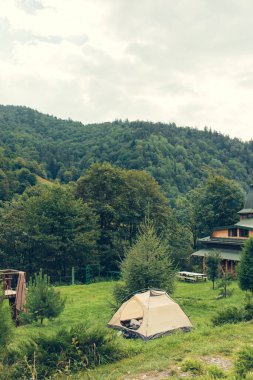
point(14, 288)
point(191, 276)
point(229, 240)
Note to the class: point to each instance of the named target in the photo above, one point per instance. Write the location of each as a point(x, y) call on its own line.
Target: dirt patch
point(220, 362)
point(154, 375)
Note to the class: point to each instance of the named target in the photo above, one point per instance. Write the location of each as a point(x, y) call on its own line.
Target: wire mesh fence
point(87, 275)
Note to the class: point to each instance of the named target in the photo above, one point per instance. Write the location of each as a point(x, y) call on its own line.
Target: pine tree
point(43, 301)
point(147, 264)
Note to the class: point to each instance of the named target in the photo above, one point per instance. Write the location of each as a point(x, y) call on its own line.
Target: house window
point(232, 232)
point(244, 233)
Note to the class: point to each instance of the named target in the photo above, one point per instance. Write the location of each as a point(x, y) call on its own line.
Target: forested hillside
point(62, 149)
point(96, 217)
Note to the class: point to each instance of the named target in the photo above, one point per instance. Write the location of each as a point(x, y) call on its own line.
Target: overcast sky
point(183, 61)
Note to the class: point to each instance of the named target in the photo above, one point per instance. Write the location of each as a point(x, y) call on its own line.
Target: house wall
point(220, 233)
point(224, 234)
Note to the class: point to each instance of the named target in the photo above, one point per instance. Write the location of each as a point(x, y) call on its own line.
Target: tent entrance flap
point(132, 310)
point(132, 324)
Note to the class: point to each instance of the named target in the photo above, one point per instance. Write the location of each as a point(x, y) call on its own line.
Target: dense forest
point(104, 181)
point(177, 157)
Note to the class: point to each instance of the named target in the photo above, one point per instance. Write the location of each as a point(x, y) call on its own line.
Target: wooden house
point(229, 240)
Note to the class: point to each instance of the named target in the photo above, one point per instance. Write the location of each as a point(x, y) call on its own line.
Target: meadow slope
point(219, 345)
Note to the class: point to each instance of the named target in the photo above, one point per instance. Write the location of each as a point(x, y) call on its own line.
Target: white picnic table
point(191, 276)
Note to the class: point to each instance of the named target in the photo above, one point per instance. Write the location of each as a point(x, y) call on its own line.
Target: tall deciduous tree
point(25, 179)
point(122, 198)
point(214, 203)
point(48, 228)
point(221, 200)
point(188, 213)
point(245, 271)
point(4, 186)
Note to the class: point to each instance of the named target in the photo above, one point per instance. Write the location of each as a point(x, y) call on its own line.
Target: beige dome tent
point(149, 315)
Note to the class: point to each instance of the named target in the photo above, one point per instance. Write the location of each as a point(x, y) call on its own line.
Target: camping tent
point(149, 315)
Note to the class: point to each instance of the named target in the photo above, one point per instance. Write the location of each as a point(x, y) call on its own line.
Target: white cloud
point(30, 6)
point(158, 60)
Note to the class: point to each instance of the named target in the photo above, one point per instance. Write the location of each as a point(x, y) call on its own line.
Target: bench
point(184, 278)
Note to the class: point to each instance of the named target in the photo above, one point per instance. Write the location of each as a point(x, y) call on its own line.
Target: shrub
point(67, 351)
point(213, 266)
point(43, 301)
point(193, 366)
point(244, 362)
point(223, 285)
point(6, 325)
point(228, 315)
point(120, 294)
point(245, 270)
point(5, 372)
point(234, 315)
point(248, 307)
point(215, 372)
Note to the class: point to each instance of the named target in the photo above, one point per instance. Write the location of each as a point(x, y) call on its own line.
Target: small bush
point(244, 362)
point(215, 372)
point(4, 372)
point(234, 315)
point(193, 366)
point(43, 301)
point(225, 293)
point(120, 294)
point(248, 307)
point(228, 315)
point(6, 325)
point(223, 286)
point(67, 351)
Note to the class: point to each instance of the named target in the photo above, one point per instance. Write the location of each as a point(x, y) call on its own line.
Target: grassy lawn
point(90, 303)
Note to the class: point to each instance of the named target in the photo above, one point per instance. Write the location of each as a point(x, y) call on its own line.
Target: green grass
point(91, 303)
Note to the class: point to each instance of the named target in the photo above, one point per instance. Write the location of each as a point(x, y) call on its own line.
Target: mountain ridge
point(178, 157)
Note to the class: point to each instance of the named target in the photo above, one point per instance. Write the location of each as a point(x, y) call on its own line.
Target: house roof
point(220, 240)
point(226, 254)
point(246, 211)
point(248, 205)
point(245, 223)
point(223, 227)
